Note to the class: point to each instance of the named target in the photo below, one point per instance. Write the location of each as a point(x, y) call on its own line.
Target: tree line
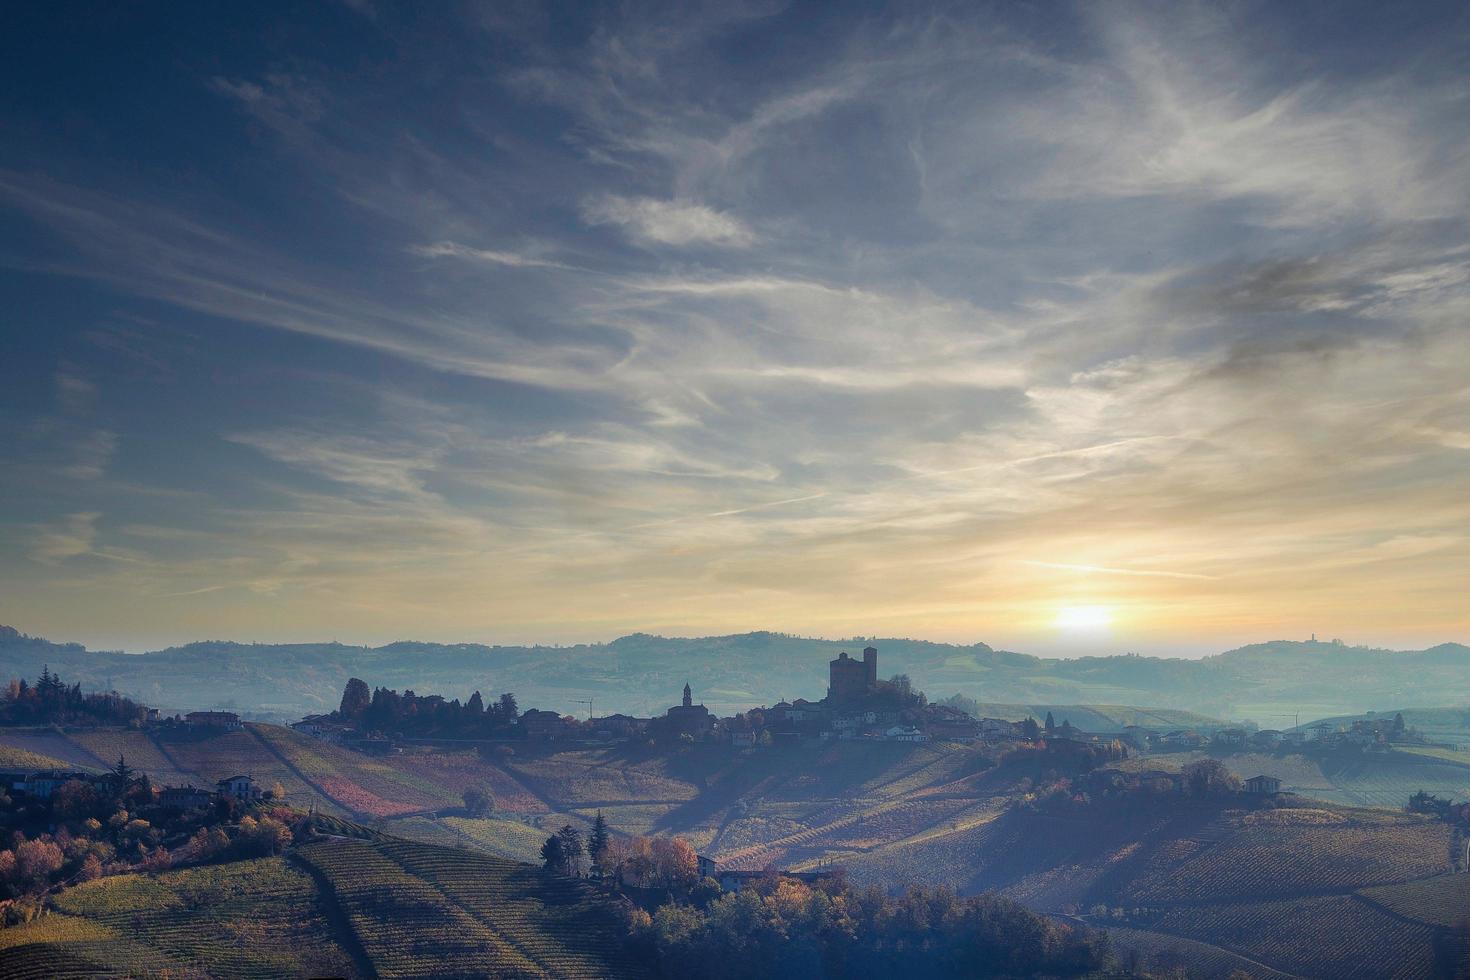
point(387, 711)
point(50, 701)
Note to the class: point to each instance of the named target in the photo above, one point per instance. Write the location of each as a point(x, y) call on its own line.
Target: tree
point(1209, 777)
point(36, 861)
point(597, 844)
point(123, 774)
point(476, 705)
point(553, 859)
point(675, 863)
point(508, 706)
point(479, 802)
point(278, 791)
point(355, 699)
point(1398, 723)
point(571, 850)
point(1051, 723)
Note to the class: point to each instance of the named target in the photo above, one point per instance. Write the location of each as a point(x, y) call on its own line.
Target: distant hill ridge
point(642, 673)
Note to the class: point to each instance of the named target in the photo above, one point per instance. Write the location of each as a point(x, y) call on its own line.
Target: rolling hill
point(642, 674)
point(336, 907)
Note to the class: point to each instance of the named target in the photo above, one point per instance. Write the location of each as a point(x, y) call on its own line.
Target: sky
point(1067, 328)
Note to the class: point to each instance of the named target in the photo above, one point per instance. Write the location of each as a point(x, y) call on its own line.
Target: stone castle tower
point(849, 679)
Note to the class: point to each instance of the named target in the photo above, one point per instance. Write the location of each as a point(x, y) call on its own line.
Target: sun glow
point(1083, 618)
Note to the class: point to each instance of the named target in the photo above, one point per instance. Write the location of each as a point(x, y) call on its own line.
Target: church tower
point(688, 696)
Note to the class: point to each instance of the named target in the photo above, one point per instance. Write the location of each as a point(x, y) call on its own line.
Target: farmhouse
point(619, 726)
point(1263, 785)
point(239, 787)
point(539, 724)
point(186, 797)
point(40, 785)
point(224, 721)
point(322, 727)
point(733, 879)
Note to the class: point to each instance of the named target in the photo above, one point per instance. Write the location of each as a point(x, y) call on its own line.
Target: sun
point(1080, 619)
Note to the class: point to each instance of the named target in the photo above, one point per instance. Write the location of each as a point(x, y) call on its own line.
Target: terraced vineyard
point(582, 779)
point(140, 750)
point(258, 918)
point(1442, 901)
point(1339, 936)
point(12, 757)
point(1263, 862)
point(459, 771)
point(53, 746)
point(354, 781)
point(507, 838)
point(417, 910)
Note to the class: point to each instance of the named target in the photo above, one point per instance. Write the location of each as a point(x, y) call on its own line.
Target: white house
point(239, 787)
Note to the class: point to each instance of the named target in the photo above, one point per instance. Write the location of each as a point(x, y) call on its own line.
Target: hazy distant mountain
point(1270, 682)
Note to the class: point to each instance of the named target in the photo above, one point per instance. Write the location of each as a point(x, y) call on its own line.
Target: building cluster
point(42, 784)
point(857, 706)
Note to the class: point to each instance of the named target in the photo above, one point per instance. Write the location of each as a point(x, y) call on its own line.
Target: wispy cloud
point(794, 334)
point(668, 222)
point(72, 537)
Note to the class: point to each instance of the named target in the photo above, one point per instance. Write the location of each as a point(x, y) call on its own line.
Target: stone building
point(849, 680)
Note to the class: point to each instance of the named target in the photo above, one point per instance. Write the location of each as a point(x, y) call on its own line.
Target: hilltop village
point(858, 705)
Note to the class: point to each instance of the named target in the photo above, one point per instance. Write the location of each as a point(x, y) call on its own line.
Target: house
point(1263, 785)
point(619, 726)
point(239, 788)
point(742, 740)
point(1267, 738)
point(223, 721)
point(321, 727)
point(902, 733)
point(733, 879)
point(1182, 740)
point(1231, 737)
point(186, 797)
point(40, 785)
point(1137, 737)
point(998, 730)
point(540, 724)
point(950, 724)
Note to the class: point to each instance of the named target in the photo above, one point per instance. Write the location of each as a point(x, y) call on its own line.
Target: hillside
point(642, 674)
point(1174, 876)
point(341, 907)
point(1310, 891)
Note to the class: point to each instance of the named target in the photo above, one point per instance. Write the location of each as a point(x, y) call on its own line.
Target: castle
point(849, 680)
